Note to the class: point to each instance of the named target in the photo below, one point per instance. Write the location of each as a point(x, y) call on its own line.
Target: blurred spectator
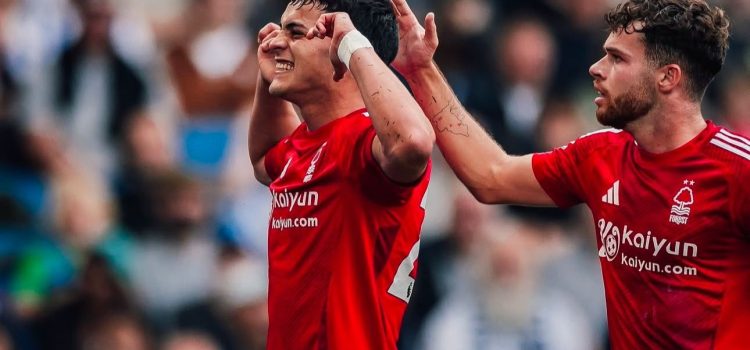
point(236, 315)
point(576, 272)
point(526, 55)
point(82, 223)
point(242, 293)
point(5, 341)
point(735, 100)
point(510, 102)
point(32, 33)
point(559, 124)
point(464, 39)
point(189, 341)
point(211, 60)
point(579, 32)
point(145, 155)
point(116, 331)
point(173, 265)
point(9, 90)
point(21, 190)
point(497, 302)
point(738, 56)
point(92, 94)
point(87, 307)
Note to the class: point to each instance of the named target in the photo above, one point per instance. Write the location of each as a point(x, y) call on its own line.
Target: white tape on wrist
point(351, 42)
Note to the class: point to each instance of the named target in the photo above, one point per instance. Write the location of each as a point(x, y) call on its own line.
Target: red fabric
point(329, 281)
point(648, 252)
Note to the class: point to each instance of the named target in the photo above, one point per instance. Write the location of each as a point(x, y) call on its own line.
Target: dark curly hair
point(689, 33)
point(375, 19)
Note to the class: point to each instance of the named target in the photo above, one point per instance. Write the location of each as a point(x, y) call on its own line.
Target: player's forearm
point(272, 119)
point(475, 157)
point(405, 134)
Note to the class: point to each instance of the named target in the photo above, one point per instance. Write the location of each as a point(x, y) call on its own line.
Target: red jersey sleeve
point(373, 180)
point(558, 172)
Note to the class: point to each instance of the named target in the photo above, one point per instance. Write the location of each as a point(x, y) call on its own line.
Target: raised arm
point(404, 138)
point(272, 118)
point(480, 163)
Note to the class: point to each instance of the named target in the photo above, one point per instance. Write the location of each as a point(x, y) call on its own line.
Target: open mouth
point(601, 95)
point(599, 91)
point(284, 66)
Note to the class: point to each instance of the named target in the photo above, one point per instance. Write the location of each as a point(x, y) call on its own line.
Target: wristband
point(351, 42)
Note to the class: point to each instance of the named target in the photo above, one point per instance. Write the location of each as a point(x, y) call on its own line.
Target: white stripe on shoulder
point(730, 148)
point(612, 130)
point(732, 141)
point(734, 136)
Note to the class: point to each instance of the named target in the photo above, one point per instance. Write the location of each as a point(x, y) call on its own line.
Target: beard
point(627, 107)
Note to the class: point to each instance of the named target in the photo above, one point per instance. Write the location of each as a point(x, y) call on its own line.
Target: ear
point(669, 78)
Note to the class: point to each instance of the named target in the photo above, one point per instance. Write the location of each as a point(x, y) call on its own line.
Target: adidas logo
point(613, 194)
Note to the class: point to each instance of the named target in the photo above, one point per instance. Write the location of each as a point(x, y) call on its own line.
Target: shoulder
point(355, 130)
point(731, 147)
point(606, 136)
point(599, 139)
point(356, 121)
point(732, 152)
point(297, 134)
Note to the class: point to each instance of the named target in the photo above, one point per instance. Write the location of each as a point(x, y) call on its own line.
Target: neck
point(321, 109)
point(667, 128)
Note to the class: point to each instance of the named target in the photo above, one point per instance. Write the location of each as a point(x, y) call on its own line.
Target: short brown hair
point(689, 33)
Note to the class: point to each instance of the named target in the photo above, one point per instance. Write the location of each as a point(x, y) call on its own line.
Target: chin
point(276, 89)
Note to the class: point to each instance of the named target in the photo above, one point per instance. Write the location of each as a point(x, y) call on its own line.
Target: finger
point(267, 29)
point(326, 23)
point(321, 28)
point(313, 32)
point(265, 46)
point(430, 33)
point(401, 8)
point(266, 37)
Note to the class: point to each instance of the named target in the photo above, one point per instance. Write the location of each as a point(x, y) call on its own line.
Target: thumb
point(431, 30)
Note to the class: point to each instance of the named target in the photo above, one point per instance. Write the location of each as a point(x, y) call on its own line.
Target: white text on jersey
point(294, 199)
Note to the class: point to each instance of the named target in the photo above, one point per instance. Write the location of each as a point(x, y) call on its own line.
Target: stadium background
point(130, 219)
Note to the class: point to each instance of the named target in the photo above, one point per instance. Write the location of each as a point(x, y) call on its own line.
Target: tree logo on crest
point(683, 199)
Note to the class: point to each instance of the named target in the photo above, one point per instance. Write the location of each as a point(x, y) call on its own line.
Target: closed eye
point(295, 30)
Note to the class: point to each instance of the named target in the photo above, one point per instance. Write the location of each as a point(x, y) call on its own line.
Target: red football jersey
point(673, 232)
point(343, 240)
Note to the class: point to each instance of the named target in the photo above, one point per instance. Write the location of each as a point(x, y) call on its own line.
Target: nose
point(596, 69)
point(278, 43)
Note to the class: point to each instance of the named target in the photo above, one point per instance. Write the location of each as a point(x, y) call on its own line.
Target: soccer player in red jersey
point(669, 191)
point(347, 182)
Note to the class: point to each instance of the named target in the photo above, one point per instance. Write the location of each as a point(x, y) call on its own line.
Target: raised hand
point(417, 44)
point(334, 25)
point(266, 60)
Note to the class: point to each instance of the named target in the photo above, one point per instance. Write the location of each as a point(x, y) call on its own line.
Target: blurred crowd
point(130, 218)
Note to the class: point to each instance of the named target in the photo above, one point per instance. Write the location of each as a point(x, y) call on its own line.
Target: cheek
point(312, 55)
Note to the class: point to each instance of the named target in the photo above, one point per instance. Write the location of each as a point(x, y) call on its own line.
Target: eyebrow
point(615, 51)
point(291, 26)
